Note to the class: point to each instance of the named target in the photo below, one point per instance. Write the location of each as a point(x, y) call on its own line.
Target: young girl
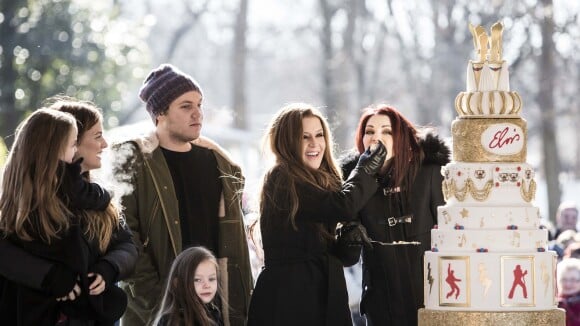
point(53, 273)
point(192, 292)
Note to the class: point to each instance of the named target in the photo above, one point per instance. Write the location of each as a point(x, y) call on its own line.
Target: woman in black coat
point(403, 210)
point(302, 200)
point(70, 280)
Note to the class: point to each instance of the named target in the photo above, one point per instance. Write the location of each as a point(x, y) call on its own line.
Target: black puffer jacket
point(393, 276)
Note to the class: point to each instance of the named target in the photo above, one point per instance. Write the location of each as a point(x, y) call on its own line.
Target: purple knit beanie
point(163, 85)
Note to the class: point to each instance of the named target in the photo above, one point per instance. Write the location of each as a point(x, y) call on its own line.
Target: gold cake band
point(471, 103)
point(553, 317)
point(467, 146)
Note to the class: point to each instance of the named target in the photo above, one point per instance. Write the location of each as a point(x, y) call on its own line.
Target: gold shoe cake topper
point(484, 44)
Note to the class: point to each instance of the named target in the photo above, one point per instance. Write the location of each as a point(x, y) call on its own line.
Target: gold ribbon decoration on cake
point(450, 190)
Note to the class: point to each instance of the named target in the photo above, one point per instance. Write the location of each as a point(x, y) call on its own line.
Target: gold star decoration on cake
point(464, 213)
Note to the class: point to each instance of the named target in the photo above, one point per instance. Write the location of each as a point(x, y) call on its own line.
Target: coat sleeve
point(121, 253)
point(22, 267)
point(79, 192)
point(343, 205)
point(127, 171)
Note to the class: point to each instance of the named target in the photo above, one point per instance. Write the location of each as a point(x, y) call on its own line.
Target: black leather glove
point(354, 234)
point(371, 161)
point(60, 280)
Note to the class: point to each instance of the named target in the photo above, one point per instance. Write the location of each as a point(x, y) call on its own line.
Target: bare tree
point(239, 61)
point(546, 103)
point(193, 18)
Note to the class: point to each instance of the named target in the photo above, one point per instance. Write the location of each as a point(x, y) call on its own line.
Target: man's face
point(183, 120)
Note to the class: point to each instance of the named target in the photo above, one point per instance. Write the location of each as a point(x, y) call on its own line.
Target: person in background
point(566, 219)
point(568, 279)
point(191, 288)
point(398, 217)
point(66, 251)
point(302, 199)
point(185, 191)
point(562, 242)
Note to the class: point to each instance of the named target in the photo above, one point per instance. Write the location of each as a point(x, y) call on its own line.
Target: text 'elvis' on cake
point(489, 251)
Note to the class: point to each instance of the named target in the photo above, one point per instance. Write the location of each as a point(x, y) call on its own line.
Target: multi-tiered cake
point(489, 262)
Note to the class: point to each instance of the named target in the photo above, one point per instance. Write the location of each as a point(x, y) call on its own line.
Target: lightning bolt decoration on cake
point(495, 261)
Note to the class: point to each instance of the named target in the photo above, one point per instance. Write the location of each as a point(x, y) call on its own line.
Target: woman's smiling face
point(313, 142)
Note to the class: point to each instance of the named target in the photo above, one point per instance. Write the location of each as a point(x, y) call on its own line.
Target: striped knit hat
point(163, 85)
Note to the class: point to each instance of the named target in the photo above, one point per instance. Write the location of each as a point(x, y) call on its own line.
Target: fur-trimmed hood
point(148, 143)
point(434, 147)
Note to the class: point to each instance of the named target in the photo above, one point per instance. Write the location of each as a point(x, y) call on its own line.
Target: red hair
point(407, 153)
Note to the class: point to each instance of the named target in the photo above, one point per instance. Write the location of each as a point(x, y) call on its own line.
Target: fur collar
point(148, 143)
point(434, 147)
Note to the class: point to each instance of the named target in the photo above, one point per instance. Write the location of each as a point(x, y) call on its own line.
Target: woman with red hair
point(400, 215)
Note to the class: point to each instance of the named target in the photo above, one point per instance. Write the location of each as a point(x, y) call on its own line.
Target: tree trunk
point(239, 60)
point(546, 102)
point(327, 56)
point(8, 115)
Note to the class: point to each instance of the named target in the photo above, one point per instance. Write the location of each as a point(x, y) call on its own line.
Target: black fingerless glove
point(371, 161)
point(107, 271)
point(60, 280)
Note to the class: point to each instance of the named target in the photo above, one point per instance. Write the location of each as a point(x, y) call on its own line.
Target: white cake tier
point(489, 184)
point(490, 281)
point(489, 240)
point(485, 217)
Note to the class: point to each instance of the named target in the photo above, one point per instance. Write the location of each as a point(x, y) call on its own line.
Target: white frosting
point(487, 217)
point(486, 280)
point(469, 241)
point(504, 79)
point(497, 184)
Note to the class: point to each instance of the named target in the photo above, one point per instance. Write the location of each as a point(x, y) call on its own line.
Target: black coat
point(302, 282)
point(26, 265)
point(393, 274)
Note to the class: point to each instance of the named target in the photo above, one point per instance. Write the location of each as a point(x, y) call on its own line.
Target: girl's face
point(71, 147)
point(313, 142)
point(378, 127)
point(569, 282)
point(205, 281)
point(91, 147)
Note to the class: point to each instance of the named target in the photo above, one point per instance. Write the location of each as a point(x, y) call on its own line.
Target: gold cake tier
point(489, 140)
point(553, 317)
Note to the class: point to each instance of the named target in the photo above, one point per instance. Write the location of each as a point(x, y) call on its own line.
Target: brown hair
point(284, 137)
point(29, 205)
point(180, 304)
point(99, 224)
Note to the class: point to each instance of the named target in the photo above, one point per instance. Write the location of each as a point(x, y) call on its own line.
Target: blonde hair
point(29, 205)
